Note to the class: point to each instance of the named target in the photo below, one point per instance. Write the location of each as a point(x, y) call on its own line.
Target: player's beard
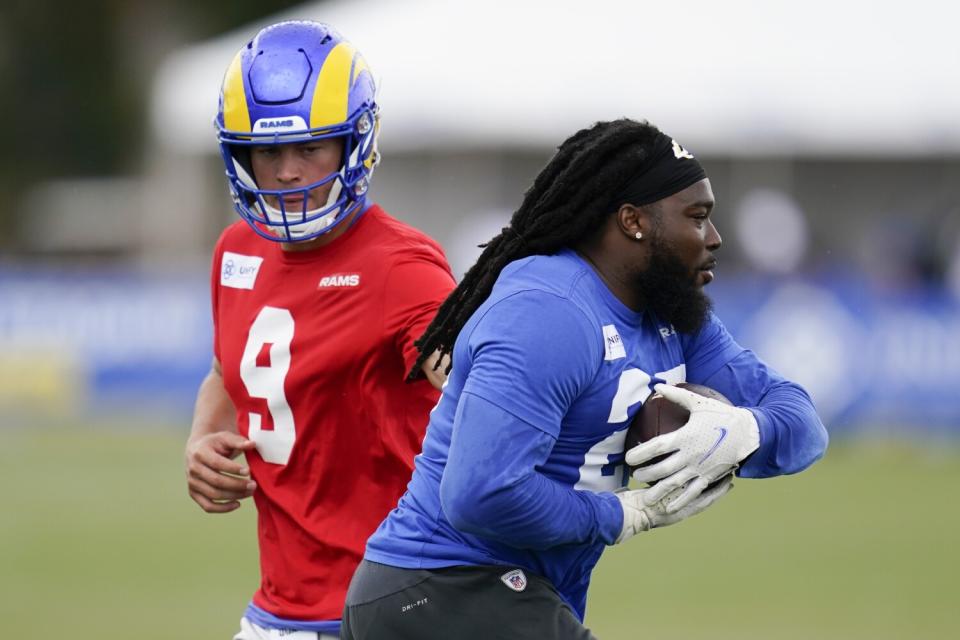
point(670, 291)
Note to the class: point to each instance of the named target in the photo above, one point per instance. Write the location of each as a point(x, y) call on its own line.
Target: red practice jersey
point(315, 346)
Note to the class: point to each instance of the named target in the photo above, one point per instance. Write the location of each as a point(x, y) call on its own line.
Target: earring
point(639, 236)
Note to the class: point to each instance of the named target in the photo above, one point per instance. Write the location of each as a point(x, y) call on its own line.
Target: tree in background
point(75, 80)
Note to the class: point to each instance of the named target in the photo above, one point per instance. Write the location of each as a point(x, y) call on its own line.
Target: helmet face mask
point(298, 82)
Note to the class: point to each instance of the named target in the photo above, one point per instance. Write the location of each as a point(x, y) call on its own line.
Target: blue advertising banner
point(108, 339)
point(95, 340)
point(869, 358)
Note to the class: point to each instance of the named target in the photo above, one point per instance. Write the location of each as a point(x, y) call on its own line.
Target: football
point(658, 416)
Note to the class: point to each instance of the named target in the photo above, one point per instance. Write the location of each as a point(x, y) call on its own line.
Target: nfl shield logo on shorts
point(515, 579)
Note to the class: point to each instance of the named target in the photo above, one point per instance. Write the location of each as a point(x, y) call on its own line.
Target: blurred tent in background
point(838, 119)
point(474, 97)
point(738, 78)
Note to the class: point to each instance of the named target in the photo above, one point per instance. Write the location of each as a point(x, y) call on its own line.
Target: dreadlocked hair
point(568, 201)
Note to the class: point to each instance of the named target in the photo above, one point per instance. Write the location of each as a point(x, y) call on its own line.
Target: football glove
point(641, 513)
point(709, 446)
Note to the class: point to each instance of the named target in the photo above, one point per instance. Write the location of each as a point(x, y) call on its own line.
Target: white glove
point(642, 514)
point(709, 446)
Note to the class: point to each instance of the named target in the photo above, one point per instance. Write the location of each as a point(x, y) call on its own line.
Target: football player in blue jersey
point(589, 301)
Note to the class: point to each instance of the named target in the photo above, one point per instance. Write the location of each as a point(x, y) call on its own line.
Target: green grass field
point(98, 540)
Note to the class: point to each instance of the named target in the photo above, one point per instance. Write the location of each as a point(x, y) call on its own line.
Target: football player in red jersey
point(318, 296)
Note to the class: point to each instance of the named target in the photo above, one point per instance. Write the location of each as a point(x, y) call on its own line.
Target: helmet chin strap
point(275, 215)
point(301, 228)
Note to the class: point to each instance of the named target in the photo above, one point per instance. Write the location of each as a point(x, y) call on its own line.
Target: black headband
point(669, 170)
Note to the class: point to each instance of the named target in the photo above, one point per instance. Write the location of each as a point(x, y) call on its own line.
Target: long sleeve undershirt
point(512, 501)
point(519, 506)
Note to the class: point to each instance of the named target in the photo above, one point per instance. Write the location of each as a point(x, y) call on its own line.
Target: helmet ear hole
point(241, 155)
point(243, 169)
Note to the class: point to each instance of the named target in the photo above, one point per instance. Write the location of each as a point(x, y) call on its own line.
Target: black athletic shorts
point(455, 603)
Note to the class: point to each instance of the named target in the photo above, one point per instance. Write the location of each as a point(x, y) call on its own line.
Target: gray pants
point(464, 602)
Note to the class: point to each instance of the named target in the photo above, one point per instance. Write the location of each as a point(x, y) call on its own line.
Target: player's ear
point(633, 221)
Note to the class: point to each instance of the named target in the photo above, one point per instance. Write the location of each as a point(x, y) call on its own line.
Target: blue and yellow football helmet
point(294, 82)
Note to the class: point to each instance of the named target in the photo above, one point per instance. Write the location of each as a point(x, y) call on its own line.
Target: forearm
point(792, 436)
point(215, 481)
point(436, 372)
point(213, 411)
point(510, 500)
point(539, 513)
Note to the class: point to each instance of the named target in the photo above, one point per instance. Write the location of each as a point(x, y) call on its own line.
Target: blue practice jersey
point(527, 442)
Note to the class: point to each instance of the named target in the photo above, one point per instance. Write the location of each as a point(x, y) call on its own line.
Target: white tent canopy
point(736, 77)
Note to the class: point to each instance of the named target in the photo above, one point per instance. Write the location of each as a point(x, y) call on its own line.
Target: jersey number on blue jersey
point(602, 468)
